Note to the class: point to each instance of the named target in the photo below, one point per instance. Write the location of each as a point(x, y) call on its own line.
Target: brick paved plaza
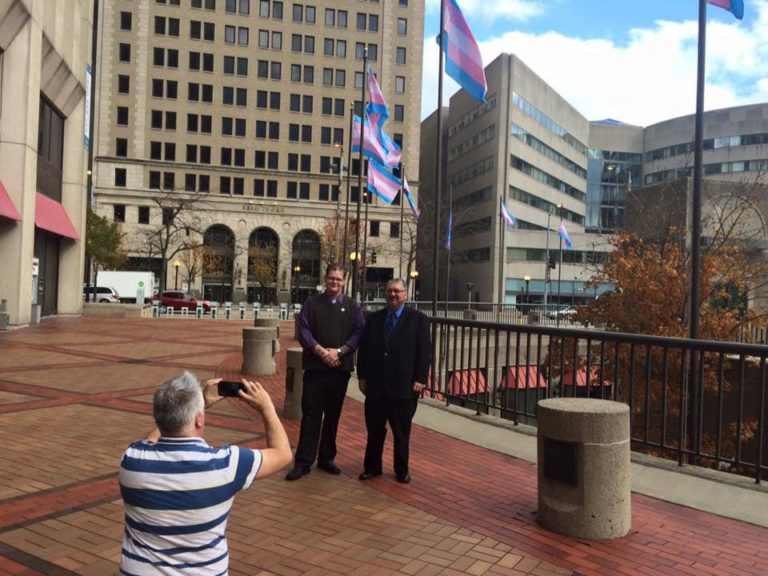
point(74, 392)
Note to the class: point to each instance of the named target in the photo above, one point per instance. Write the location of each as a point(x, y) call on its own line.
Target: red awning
point(525, 376)
point(466, 382)
point(581, 378)
point(7, 209)
point(51, 216)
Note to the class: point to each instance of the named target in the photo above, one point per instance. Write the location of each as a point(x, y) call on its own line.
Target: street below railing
point(716, 419)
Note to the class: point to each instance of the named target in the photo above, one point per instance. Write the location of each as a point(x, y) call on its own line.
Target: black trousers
point(321, 402)
point(399, 414)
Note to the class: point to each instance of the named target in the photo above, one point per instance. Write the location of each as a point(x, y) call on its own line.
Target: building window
point(125, 20)
point(122, 116)
point(143, 214)
point(118, 212)
point(341, 19)
point(400, 55)
point(120, 178)
point(125, 52)
point(154, 180)
point(190, 182)
point(394, 229)
point(121, 147)
point(400, 84)
point(123, 84)
point(399, 113)
point(375, 224)
point(291, 190)
point(402, 27)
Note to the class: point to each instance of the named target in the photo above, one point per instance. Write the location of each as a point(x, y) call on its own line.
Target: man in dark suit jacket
point(392, 369)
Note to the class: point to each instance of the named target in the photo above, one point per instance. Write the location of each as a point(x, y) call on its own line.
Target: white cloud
point(650, 79)
point(520, 10)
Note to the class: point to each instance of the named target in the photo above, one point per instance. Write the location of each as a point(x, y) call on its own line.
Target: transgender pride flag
point(736, 7)
point(506, 214)
point(408, 195)
point(563, 233)
point(463, 62)
point(377, 110)
point(378, 146)
point(382, 182)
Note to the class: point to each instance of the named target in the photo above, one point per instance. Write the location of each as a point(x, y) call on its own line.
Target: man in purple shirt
point(330, 326)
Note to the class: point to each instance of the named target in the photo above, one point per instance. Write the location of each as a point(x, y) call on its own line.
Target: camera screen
point(229, 388)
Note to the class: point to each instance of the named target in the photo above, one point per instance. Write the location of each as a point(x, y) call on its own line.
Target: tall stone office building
point(45, 49)
point(529, 146)
point(239, 110)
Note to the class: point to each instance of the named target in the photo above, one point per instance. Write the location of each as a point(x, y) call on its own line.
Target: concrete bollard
point(199, 311)
point(258, 355)
point(294, 384)
point(270, 323)
point(242, 310)
point(584, 467)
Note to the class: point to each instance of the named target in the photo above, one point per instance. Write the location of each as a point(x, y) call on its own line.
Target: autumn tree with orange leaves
point(649, 269)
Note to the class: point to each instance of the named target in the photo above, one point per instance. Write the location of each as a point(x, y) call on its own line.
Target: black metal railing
point(717, 419)
point(550, 315)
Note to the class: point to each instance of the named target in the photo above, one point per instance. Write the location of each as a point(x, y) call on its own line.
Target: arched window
point(218, 263)
point(263, 251)
point(305, 264)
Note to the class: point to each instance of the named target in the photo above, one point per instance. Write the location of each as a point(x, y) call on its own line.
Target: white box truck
point(129, 284)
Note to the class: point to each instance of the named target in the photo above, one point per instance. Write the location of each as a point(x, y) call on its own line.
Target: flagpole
point(448, 265)
point(356, 261)
point(438, 166)
point(363, 280)
point(502, 229)
point(402, 216)
point(345, 254)
point(694, 393)
point(697, 174)
point(559, 277)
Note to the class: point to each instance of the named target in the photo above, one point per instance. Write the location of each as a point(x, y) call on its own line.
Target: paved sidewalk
point(74, 392)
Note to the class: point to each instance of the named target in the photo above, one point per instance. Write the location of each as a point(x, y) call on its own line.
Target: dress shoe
point(329, 467)
point(297, 472)
point(404, 478)
point(365, 475)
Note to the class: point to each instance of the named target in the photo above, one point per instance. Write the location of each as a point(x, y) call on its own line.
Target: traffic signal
point(373, 256)
point(552, 261)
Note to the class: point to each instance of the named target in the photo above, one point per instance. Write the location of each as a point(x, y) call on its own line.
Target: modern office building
point(45, 49)
point(235, 114)
point(528, 145)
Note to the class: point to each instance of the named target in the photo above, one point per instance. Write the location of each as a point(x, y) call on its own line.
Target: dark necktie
point(389, 327)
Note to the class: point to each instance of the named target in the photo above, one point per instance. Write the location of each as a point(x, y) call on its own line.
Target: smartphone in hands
point(229, 388)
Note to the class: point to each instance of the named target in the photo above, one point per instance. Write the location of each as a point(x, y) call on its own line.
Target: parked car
point(104, 294)
point(563, 313)
point(178, 299)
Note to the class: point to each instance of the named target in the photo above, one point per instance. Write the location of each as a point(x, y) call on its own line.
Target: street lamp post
point(176, 282)
point(414, 275)
point(527, 279)
point(352, 259)
point(296, 270)
point(336, 250)
point(470, 285)
point(547, 269)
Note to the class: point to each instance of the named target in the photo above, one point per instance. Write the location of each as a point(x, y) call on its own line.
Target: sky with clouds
point(630, 61)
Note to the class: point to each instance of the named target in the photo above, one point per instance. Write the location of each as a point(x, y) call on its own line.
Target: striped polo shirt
point(177, 495)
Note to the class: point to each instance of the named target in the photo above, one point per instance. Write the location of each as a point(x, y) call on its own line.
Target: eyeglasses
point(331, 279)
point(394, 291)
